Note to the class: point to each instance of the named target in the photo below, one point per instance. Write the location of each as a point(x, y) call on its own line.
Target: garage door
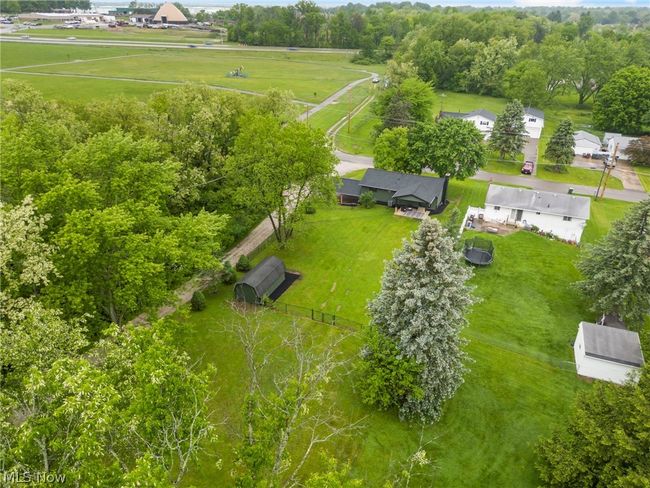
point(534, 132)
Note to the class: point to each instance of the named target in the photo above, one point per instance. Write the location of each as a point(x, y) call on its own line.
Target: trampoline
point(479, 251)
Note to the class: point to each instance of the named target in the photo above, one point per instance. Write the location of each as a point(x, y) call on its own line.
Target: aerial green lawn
point(330, 115)
point(311, 77)
point(360, 138)
point(521, 381)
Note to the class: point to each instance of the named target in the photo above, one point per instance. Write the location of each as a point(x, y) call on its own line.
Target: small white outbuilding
point(607, 353)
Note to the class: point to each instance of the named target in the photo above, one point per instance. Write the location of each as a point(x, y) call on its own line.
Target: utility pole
point(609, 171)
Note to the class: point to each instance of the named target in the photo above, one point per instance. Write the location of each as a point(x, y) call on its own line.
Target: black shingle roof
point(618, 345)
point(426, 188)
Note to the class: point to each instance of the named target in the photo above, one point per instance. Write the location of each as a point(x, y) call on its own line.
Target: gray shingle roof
point(535, 112)
point(453, 115)
point(349, 187)
point(611, 344)
point(263, 276)
point(426, 188)
point(539, 201)
point(483, 113)
point(587, 136)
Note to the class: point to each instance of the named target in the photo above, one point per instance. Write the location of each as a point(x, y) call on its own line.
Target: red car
point(527, 168)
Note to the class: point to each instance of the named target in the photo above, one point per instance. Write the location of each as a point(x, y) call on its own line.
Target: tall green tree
point(616, 269)
point(526, 81)
point(405, 104)
point(391, 151)
point(451, 147)
point(559, 149)
point(509, 132)
point(489, 67)
point(280, 168)
point(421, 308)
point(600, 57)
point(605, 441)
point(639, 151)
point(624, 101)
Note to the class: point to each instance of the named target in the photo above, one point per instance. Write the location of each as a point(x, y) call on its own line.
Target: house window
point(484, 122)
point(532, 119)
point(537, 213)
point(496, 207)
point(566, 219)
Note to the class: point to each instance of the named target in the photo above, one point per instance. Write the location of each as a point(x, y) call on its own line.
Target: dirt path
point(248, 244)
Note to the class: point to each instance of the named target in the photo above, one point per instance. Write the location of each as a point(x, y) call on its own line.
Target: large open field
point(125, 34)
point(311, 77)
point(521, 380)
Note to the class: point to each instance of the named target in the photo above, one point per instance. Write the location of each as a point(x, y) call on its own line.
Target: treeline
point(137, 197)
point(25, 6)
point(379, 29)
point(105, 208)
point(531, 59)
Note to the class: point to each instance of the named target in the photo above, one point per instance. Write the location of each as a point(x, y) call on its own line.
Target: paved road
point(351, 162)
point(164, 45)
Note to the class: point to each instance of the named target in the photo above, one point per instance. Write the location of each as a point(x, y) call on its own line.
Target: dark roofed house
point(261, 281)
point(397, 189)
point(607, 353)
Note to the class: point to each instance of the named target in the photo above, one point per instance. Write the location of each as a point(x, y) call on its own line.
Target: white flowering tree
point(421, 309)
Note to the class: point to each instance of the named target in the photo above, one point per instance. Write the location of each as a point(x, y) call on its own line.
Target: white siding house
point(585, 143)
point(607, 353)
point(563, 215)
point(612, 139)
point(534, 121)
point(483, 120)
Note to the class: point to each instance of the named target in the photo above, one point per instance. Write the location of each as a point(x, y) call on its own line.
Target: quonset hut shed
point(260, 281)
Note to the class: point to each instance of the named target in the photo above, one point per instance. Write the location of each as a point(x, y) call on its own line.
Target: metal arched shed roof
point(265, 277)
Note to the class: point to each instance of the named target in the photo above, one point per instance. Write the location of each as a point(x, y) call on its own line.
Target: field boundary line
point(76, 61)
point(140, 80)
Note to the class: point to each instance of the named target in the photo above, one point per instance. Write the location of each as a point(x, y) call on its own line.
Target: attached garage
point(585, 143)
point(261, 281)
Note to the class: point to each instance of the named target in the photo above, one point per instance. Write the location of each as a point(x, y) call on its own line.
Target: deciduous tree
point(639, 151)
point(391, 151)
point(452, 147)
point(279, 168)
point(624, 101)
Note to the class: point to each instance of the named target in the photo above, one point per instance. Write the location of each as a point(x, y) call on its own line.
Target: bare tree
point(284, 410)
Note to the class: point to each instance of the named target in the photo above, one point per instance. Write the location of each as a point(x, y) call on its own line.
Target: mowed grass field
point(311, 77)
point(124, 34)
point(521, 381)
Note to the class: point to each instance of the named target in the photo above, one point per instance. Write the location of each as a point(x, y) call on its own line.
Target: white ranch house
point(484, 120)
point(534, 121)
point(585, 143)
point(563, 215)
point(607, 353)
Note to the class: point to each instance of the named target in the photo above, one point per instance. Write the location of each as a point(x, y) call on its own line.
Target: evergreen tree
point(604, 442)
point(560, 147)
point(617, 269)
point(421, 308)
point(509, 132)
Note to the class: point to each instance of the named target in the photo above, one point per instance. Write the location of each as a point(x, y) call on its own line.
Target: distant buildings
point(588, 145)
point(168, 13)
